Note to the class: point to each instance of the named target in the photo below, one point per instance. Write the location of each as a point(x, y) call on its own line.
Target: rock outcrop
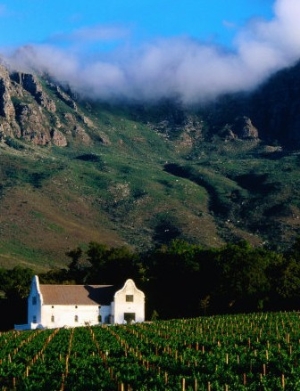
point(30, 83)
point(58, 138)
point(28, 111)
point(32, 123)
point(244, 129)
point(273, 108)
point(8, 124)
point(66, 98)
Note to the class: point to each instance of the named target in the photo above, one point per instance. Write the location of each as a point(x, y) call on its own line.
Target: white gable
point(129, 304)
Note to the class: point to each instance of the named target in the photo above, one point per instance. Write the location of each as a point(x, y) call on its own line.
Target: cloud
point(229, 25)
point(92, 34)
point(179, 67)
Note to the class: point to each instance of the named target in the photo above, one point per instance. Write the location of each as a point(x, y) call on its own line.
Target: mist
point(180, 67)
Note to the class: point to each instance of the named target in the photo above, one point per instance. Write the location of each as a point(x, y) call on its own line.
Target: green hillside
point(140, 176)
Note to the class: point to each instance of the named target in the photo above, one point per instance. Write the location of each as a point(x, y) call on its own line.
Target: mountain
point(74, 171)
point(273, 108)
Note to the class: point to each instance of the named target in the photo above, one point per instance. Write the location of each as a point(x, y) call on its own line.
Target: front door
point(129, 317)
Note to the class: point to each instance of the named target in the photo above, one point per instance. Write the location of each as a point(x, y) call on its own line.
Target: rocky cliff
point(270, 113)
point(35, 109)
point(43, 116)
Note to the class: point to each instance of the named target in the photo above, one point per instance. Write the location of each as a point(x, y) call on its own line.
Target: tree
point(173, 279)
point(285, 278)
point(15, 283)
point(244, 282)
point(75, 270)
point(112, 265)
point(97, 254)
point(121, 264)
point(75, 256)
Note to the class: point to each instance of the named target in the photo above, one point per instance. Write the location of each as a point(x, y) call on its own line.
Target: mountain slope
point(74, 171)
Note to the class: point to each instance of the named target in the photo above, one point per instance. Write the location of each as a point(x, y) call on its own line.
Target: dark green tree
point(76, 271)
point(97, 254)
point(121, 264)
point(15, 283)
point(244, 282)
point(173, 279)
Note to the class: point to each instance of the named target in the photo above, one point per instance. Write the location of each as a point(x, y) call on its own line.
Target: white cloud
point(180, 67)
point(229, 25)
point(93, 34)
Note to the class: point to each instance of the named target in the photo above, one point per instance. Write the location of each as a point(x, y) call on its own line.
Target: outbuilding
point(52, 306)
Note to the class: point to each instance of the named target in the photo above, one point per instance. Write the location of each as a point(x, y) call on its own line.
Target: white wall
point(122, 306)
point(34, 310)
point(64, 315)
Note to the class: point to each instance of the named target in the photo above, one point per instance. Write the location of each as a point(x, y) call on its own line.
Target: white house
point(52, 306)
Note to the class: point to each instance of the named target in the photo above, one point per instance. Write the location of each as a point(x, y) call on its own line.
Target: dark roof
point(77, 294)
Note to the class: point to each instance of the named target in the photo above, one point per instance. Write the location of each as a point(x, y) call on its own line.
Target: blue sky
point(193, 50)
point(38, 21)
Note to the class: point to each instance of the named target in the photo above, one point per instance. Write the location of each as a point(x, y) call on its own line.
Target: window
point(129, 298)
point(76, 318)
point(34, 319)
point(52, 318)
point(33, 300)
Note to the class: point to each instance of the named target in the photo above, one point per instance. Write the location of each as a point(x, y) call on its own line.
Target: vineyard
point(237, 352)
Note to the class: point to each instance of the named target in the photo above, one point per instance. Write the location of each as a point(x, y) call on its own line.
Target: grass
point(13, 253)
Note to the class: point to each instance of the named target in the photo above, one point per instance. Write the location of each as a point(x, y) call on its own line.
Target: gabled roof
point(77, 294)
